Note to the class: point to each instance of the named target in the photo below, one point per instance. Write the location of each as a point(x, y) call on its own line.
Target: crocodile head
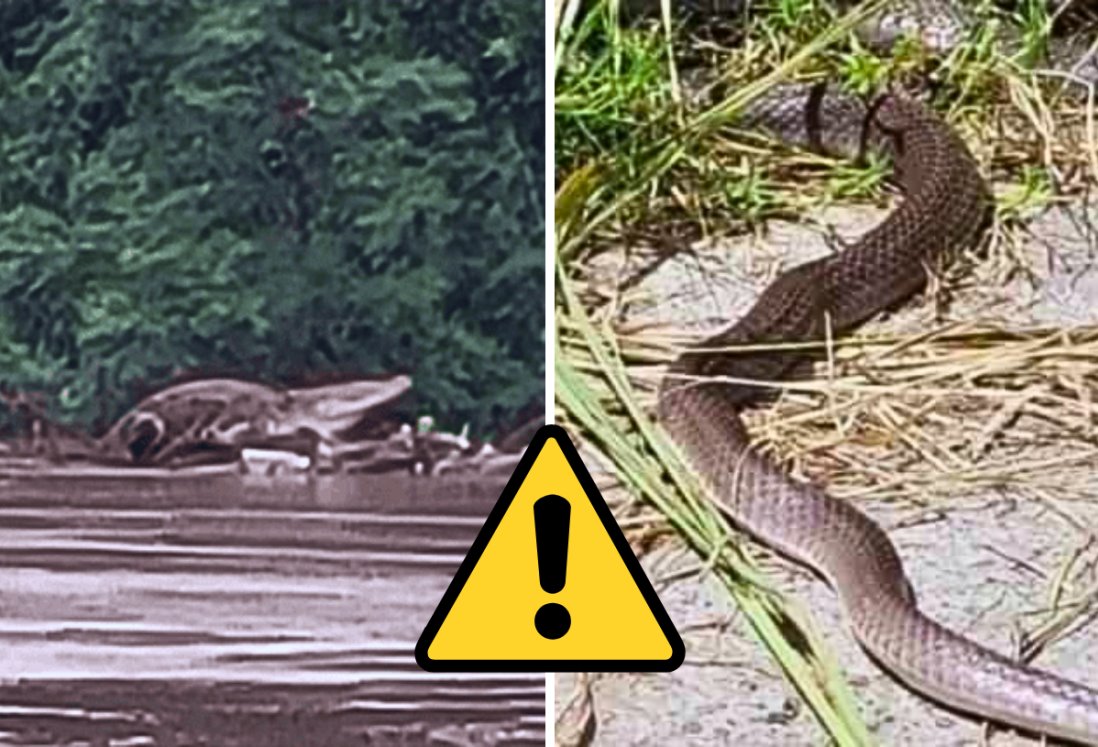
point(330, 410)
point(216, 418)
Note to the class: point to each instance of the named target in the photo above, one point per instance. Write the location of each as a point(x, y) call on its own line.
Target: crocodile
point(212, 419)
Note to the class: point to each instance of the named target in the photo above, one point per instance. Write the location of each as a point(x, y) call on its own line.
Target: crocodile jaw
point(332, 408)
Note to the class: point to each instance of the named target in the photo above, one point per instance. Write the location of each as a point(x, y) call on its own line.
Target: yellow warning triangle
point(550, 585)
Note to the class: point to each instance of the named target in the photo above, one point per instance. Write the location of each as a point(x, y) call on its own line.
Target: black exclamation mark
point(552, 515)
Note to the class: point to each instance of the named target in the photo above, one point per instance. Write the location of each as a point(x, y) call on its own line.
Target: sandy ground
point(982, 561)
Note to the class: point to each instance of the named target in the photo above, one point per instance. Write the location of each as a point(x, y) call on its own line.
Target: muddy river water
point(214, 609)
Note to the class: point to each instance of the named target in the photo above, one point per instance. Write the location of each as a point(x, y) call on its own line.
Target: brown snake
point(945, 205)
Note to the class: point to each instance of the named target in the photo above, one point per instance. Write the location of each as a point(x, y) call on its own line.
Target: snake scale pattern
point(945, 206)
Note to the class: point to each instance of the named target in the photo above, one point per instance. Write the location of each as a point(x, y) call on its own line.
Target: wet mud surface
point(205, 608)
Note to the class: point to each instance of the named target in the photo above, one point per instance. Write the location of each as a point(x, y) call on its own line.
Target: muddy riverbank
point(204, 608)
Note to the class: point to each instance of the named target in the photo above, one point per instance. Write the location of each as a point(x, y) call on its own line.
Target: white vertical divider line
point(550, 244)
point(550, 294)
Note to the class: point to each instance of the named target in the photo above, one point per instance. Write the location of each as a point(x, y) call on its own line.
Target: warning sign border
point(453, 591)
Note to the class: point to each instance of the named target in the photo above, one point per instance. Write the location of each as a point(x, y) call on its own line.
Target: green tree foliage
point(270, 190)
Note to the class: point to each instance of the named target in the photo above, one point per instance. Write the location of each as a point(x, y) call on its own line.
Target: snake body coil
point(945, 205)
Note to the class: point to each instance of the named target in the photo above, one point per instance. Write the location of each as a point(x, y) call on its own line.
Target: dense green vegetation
point(275, 190)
